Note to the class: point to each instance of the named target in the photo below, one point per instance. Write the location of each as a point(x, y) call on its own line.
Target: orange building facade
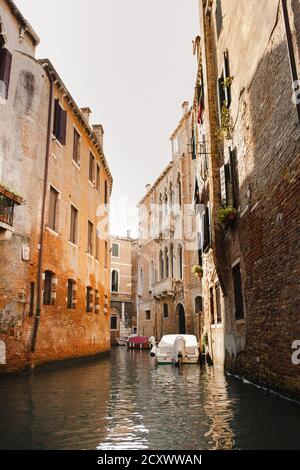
point(55, 187)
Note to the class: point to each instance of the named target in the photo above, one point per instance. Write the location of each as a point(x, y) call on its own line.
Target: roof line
point(26, 25)
point(158, 179)
point(78, 113)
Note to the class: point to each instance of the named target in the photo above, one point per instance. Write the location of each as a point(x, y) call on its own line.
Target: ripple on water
point(127, 402)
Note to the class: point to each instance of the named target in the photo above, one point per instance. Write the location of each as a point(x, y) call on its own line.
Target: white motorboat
point(176, 349)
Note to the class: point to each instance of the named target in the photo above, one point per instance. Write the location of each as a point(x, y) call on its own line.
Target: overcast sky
point(131, 62)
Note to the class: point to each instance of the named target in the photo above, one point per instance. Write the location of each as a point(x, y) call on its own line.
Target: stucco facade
point(167, 288)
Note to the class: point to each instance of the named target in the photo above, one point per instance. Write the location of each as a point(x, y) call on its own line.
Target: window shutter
point(5, 68)
point(56, 123)
point(226, 186)
point(234, 180)
point(63, 126)
point(223, 186)
point(206, 230)
point(227, 90)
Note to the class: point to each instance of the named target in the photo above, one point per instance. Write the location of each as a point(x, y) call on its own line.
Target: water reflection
point(127, 402)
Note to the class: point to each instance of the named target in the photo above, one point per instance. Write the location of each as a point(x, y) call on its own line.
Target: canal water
point(126, 402)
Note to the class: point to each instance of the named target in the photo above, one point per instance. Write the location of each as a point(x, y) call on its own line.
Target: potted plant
point(227, 215)
point(198, 271)
point(226, 129)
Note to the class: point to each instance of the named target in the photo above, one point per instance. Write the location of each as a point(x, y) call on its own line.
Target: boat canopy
point(167, 342)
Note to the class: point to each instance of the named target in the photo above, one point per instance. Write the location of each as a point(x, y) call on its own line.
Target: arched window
point(49, 288)
point(115, 281)
point(180, 262)
point(151, 274)
point(179, 189)
point(166, 311)
point(172, 260)
point(166, 263)
point(161, 265)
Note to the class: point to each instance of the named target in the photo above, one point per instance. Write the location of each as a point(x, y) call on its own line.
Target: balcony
point(163, 289)
point(8, 201)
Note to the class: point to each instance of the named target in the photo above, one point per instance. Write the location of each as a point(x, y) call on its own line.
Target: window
point(224, 90)
point(180, 262)
point(5, 69)
point(106, 256)
point(212, 305)
point(97, 256)
point(97, 301)
point(115, 281)
point(238, 292)
point(73, 225)
point(166, 263)
point(89, 299)
point(172, 260)
point(105, 193)
point(60, 123)
point(218, 303)
point(49, 288)
point(161, 265)
point(219, 17)
point(76, 147)
point(148, 315)
point(98, 178)
point(206, 230)
point(92, 168)
point(71, 297)
point(166, 311)
point(115, 250)
point(90, 246)
point(179, 190)
point(114, 323)
point(198, 304)
point(53, 209)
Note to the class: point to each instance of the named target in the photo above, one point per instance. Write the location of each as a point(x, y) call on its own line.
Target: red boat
point(138, 342)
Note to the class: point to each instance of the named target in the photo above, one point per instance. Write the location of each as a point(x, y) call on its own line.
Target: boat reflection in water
point(128, 402)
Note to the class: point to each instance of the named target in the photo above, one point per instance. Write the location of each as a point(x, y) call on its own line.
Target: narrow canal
point(127, 402)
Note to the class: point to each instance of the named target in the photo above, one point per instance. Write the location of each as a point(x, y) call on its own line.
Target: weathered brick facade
point(261, 313)
point(66, 329)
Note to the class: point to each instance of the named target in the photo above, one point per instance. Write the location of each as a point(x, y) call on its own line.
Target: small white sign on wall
point(2, 353)
point(25, 253)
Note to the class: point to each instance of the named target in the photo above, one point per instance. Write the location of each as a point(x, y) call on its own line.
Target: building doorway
point(181, 318)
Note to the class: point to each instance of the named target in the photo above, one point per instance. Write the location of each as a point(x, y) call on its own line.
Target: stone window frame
point(54, 228)
point(112, 250)
point(54, 282)
point(71, 302)
point(118, 280)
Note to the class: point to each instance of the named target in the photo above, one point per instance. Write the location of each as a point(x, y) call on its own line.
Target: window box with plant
point(197, 270)
point(227, 216)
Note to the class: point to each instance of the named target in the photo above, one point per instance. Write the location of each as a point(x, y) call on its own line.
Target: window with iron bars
point(6, 210)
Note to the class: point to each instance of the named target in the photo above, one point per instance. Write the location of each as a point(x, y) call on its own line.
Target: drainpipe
point(289, 40)
point(41, 240)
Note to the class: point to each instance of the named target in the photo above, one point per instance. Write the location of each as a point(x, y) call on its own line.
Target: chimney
point(128, 233)
point(98, 129)
point(185, 107)
point(86, 112)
